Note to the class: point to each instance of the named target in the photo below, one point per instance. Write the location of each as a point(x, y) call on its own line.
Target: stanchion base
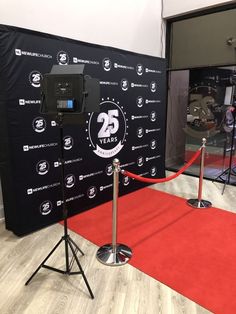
point(199, 204)
point(120, 256)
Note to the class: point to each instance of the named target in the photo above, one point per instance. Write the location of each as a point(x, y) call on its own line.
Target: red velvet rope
point(175, 175)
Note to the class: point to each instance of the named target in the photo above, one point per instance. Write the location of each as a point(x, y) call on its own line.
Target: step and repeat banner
point(130, 126)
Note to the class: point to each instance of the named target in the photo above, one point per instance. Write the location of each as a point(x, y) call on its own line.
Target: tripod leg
point(81, 269)
point(43, 262)
point(224, 153)
point(223, 190)
point(67, 254)
point(82, 253)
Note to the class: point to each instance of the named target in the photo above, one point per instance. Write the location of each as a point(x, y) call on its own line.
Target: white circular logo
point(124, 84)
point(140, 161)
point(139, 69)
point(153, 171)
point(109, 169)
point(70, 181)
point(126, 181)
point(39, 124)
point(153, 144)
point(107, 129)
point(153, 86)
point(35, 78)
point(106, 63)
point(139, 101)
point(63, 58)
point(92, 192)
point(42, 167)
point(153, 116)
point(45, 208)
point(68, 142)
point(140, 132)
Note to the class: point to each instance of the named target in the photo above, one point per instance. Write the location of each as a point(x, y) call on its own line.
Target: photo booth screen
point(129, 125)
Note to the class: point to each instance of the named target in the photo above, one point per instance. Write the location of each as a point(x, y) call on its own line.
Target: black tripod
point(230, 170)
point(69, 243)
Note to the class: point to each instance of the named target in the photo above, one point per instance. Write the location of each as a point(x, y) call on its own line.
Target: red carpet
point(191, 250)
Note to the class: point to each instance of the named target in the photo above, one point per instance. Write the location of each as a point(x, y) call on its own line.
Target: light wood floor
point(121, 289)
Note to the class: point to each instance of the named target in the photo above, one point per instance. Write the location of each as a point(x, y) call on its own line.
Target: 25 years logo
point(106, 63)
point(68, 142)
point(39, 124)
point(35, 78)
point(45, 208)
point(42, 167)
point(63, 58)
point(107, 129)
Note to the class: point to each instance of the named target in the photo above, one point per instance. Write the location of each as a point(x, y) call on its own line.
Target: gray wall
point(202, 41)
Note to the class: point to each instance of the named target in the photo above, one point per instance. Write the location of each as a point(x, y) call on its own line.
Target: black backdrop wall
point(130, 126)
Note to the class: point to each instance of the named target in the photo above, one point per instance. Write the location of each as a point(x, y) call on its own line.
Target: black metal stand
point(69, 243)
point(230, 170)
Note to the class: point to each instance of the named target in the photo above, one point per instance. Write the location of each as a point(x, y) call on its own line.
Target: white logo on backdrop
point(127, 164)
point(138, 117)
point(42, 167)
point(153, 144)
point(153, 116)
point(144, 174)
point(126, 181)
point(63, 58)
point(68, 142)
point(106, 63)
point(124, 84)
point(70, 181)
point(139, 147)
point(45, 208)
point(124, 67)
point(104, 187)
point(27, 148)
point(152, 101)
point(92, 192)
point(137, 85)
point(71, 161)
point(139, 101)
point(89, 175)
point(35, 78)
point(140, 132)
point(153, 86)
point(19, 52)
point(39, 124)
point(42, 188)
point(109, 169)
point(108, 83)
point(23, 102)
point(139, 69)
point(78, 60)
point(140, 161)
point(153, 157)
point(152, 130)
point(153, 171)
point(147, 70)
point(72, 198)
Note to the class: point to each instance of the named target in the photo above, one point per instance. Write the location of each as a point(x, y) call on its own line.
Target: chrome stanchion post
point(114, 254)
point(116, 169)
point(199, 202)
